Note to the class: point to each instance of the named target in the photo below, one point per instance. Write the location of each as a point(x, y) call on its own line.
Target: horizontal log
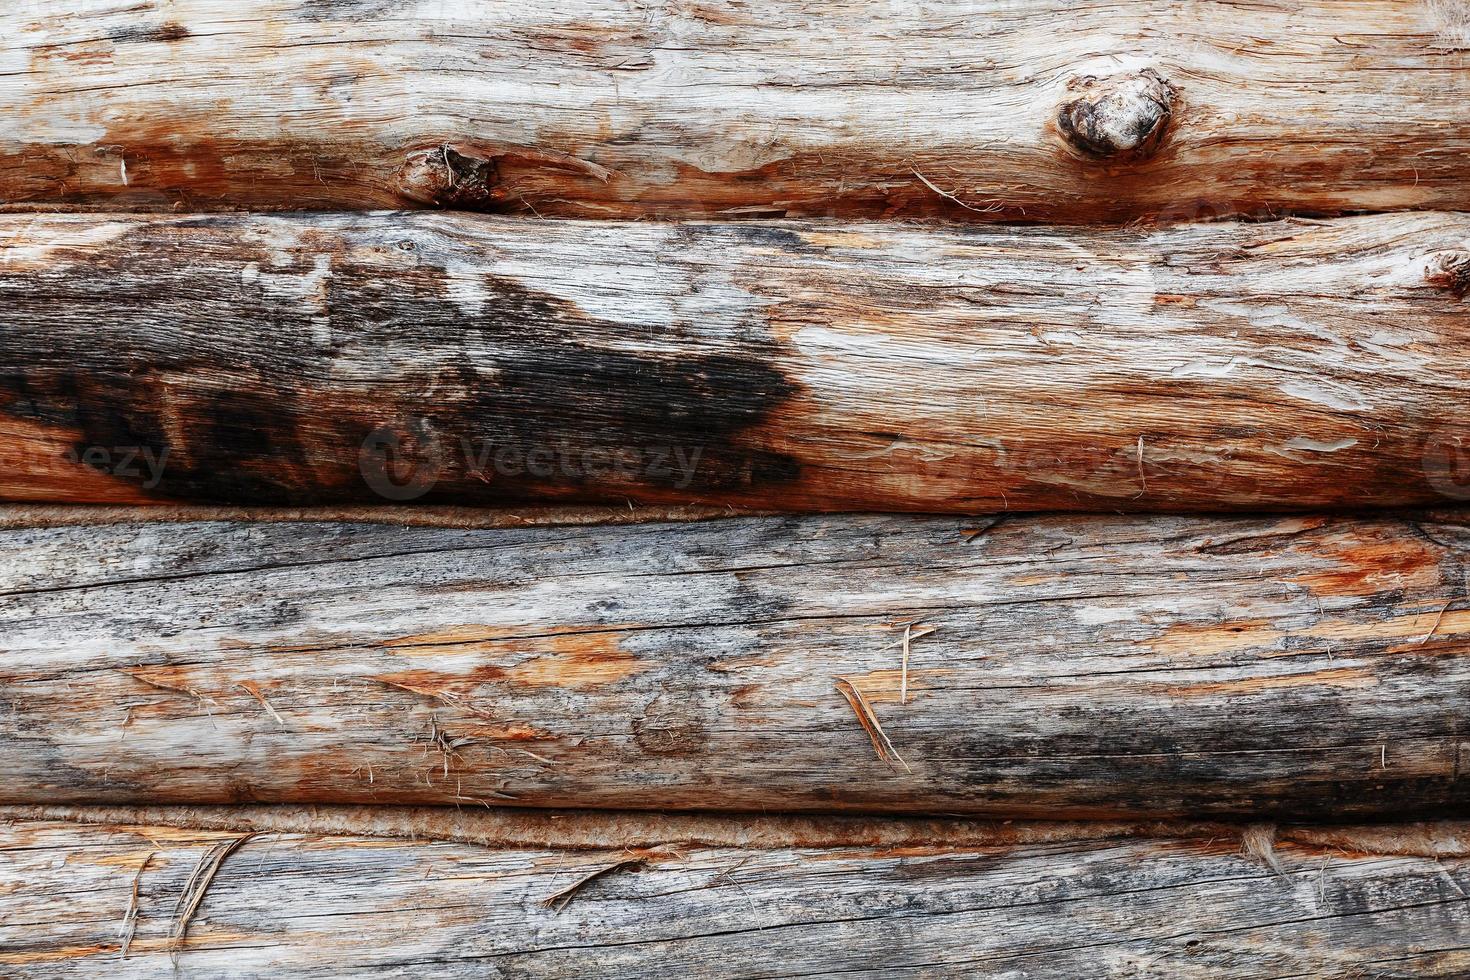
point(338, 359)
point(972, 109)
point(1057, 666)
point(1012, 901)
point(60, 515)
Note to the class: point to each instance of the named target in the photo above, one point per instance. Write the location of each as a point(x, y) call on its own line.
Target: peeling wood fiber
point(964, 109)
point(1078, 667)
point(607, 830)
point(1192, 902)
point(343, 360)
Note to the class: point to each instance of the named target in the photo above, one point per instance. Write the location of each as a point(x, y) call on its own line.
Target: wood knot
point(1122, 119)
point(483, 177)
point(669, 731)
point(1449, 270)
point(449, 177)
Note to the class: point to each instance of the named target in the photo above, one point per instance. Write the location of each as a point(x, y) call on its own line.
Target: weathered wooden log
point(62, 515)
point(461, 359)
point(1056, 666)
point(1040, 110)
point(775, 897)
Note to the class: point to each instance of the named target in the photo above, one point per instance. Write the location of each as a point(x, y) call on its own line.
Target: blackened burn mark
point(165, 32)
point(771, 236)
point(259, 397)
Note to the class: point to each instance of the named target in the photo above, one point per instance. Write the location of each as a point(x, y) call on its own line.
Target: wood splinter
point(563, 898)
point(869, 721)
point(129, 927)
point(198, 885)
point(909, 635)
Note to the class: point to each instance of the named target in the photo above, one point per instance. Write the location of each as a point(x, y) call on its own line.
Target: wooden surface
point(1140, 672)
point(966, 109)
point(60, 515)
point(335, 359)
point(1058, 666)
point(1009, 901)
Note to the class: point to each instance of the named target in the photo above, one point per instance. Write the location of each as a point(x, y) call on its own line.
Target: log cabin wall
point(325, 649)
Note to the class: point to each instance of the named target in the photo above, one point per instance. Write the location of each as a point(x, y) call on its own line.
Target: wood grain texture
point(341, 359)
point(1011, 903)
point(60, 515)
point(1060, 666)
point(1039, 110)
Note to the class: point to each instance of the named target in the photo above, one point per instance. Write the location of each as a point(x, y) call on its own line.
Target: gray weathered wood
point(1008, 901)
point(1077, 666)
point(297, 360)
point(548, 515)
point(1033, 110)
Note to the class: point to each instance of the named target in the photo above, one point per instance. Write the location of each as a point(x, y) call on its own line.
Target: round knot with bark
point(1122, 119)
point(444, 176)
point(1450, 271)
